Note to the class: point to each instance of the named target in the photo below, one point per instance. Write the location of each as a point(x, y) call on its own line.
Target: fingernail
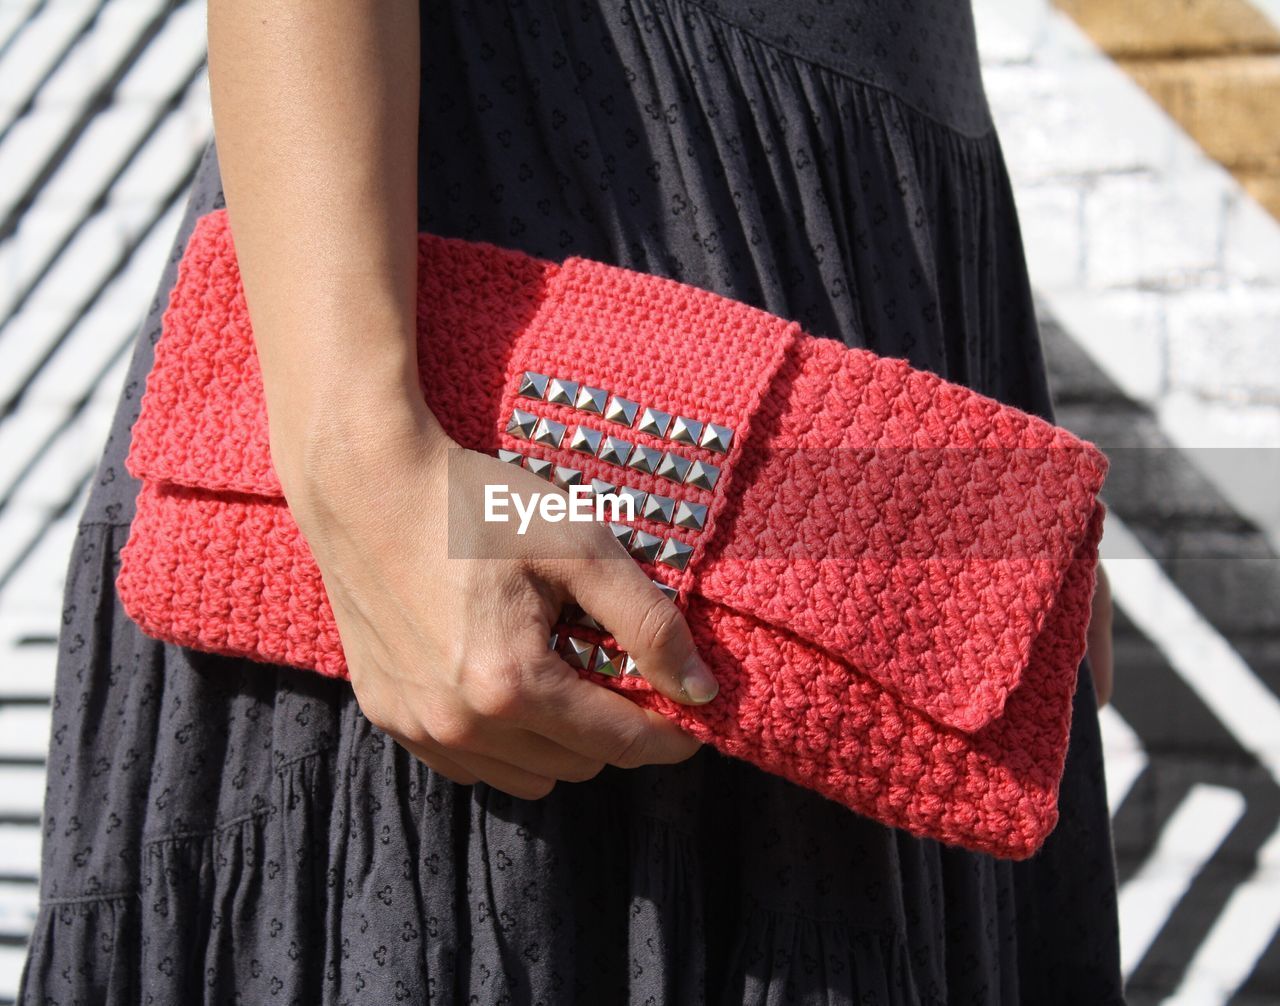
point(697, 680)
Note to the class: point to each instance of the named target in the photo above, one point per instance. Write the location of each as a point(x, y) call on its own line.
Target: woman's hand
point(445, 621)
point(1099, 646)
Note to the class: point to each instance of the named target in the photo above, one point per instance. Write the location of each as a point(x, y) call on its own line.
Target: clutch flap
point(918, 532)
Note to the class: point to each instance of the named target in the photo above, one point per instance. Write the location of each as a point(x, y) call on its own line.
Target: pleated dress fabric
point(222, 831)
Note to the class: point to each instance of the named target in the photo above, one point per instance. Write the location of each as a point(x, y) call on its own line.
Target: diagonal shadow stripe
point(98, 202)
point(1166, 503)
point(177, 192)
point(1218, 559)
point(1262, 988)
point(94, 103)
point(17, 39)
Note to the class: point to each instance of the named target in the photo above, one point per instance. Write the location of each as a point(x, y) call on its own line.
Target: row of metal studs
point(642, 545)
point(612, 450)
point(623, 411)
point(601, 659)
point(652, 506)
point(596, 657)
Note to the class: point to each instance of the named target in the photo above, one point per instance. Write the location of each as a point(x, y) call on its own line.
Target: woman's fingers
point(531, 752)
point(597, 722)
point(436, 760)
point(469, 768)
point(610, 587)
point(521, 718)
point(489, 701)
point(538, 764)
point(1101, 658)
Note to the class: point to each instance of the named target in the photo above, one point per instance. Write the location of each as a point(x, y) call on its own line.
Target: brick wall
point(1213, 65)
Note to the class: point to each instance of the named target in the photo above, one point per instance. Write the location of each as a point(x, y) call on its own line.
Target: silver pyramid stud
point(602, 488)
point(521, 424)
point(541, 468)
point(654, 421)
point(565, 477)
point(692, 516)
point(716, 438)
point(549, 432)
point(585, 440)
point(644, 459)
point(532, 385)
point(637, 497)
point(614, 451)
point(685, 430)
point(510, 457)
point(629, 668)
point(702, 475)
point(621, 411)
point(606, 662)
point(578, 652)
point(675, 553)
point(666, 589)
point(644, 546)
point(613, 505)
point(562, 392)
point(659, 508)
point(673, 467)
point(591, 400)
point(623, 533)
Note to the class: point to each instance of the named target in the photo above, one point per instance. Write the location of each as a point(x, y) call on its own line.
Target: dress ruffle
point(286, 848)
point(276, 844)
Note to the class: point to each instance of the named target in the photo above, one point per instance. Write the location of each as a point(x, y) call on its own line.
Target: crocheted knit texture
point(892, 584)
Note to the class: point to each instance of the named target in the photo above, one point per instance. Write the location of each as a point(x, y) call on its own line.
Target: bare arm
point(316, 118)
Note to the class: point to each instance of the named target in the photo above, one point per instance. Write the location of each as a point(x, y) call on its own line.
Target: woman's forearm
point(315, 109)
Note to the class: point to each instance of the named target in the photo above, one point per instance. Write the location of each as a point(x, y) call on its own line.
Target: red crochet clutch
point(890, 575)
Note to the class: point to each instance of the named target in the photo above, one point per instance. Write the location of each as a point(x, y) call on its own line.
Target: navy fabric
point(223, 831)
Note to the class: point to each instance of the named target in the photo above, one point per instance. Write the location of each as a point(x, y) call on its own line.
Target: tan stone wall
point(1214, 65)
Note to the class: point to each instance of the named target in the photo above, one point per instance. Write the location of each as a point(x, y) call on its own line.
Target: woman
point(465, 822)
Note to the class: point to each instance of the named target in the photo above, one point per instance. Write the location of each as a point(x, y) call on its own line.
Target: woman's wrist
point(336, 440)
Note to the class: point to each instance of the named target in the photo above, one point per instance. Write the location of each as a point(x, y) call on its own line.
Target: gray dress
point(223, 831)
